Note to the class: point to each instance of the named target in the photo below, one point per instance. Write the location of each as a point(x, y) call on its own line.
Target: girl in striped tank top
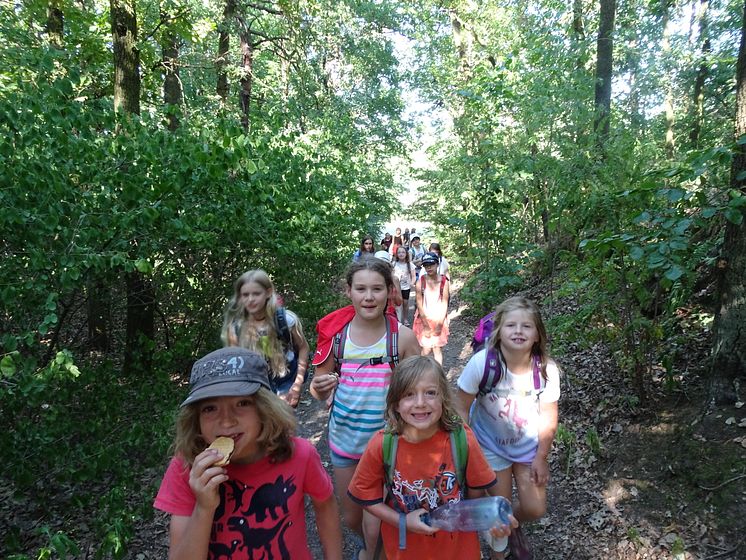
point(360, 381)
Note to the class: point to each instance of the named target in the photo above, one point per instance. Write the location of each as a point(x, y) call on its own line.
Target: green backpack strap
point(460, 453)
point(390, 443)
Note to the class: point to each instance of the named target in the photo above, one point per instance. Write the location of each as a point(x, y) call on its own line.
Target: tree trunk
point(224, 43)
point(604, 67)
point(97, 308)
point(667, 24)
point(138, 351)
point(126, 56)
point(699, 82)
point(247, 76)
point(55, 23)
point(635, 116)
point(461, 41)
point(577, 19)
point(729, 349)
point(173, 95)
point(140, 298)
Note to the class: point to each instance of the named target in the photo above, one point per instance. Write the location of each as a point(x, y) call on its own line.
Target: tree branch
point(740, 476)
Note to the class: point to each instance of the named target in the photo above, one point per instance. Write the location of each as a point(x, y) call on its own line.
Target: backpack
point(494, 366)
point(459, 451)
point(329, 340)
point(283, 331)
point(392, 347)
point(281, 322)
point(286, 339)
point(443, 280)
point(483, 332)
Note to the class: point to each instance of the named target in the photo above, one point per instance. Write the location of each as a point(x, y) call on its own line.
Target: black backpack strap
point(283, 331)
point(338, 348)
point(392, 348)
point(392, 341)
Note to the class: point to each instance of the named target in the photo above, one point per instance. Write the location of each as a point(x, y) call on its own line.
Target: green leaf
point(143, 266)
point(636, 252)
point(7, 366)
point(674, 273)
point(734, 216)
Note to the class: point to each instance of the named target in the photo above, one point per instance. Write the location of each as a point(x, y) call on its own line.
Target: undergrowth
point(88, 437)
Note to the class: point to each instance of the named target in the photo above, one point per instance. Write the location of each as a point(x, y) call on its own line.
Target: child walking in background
point(443, 267)
point(357, 349)
point(366, 248)
point(256, 502)
point(516, 386)
point(421, 416)
point(404, 272)
point(254, 320)
point(432, 292)
point(416, 252)
point(396, 243)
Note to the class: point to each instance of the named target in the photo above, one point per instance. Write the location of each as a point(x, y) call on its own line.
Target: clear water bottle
point(479, 514)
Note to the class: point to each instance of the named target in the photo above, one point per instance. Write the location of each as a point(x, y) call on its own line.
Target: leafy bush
point(89, 437)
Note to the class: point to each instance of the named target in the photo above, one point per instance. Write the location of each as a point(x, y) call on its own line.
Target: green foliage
point(517, 178)
point(493, 282)
point(85, 429)
point(88, 196)
point(593, 441)
point(60, 546)
point(567, 441)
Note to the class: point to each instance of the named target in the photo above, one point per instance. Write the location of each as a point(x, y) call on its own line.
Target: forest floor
point(659, 481)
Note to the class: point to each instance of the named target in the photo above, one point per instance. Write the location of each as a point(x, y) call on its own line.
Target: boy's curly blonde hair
point(405, 376)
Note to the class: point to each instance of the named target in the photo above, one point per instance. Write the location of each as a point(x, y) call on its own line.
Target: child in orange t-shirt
point(419, 409)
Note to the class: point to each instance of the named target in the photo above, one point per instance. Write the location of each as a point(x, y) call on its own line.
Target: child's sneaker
point(520, 549)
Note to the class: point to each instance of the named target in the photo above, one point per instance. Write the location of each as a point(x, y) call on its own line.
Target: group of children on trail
point(381, 386)
point(431, 288)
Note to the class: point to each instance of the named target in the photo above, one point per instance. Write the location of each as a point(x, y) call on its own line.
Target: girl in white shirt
point(404, 271)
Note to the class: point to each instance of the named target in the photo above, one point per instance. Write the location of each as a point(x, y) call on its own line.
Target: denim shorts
point(341, 462)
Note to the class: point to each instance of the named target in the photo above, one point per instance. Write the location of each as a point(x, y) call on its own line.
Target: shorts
point(498, 545)
point(283, 385)
point(497, 462)
point(405, 294)
point(341, 462)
